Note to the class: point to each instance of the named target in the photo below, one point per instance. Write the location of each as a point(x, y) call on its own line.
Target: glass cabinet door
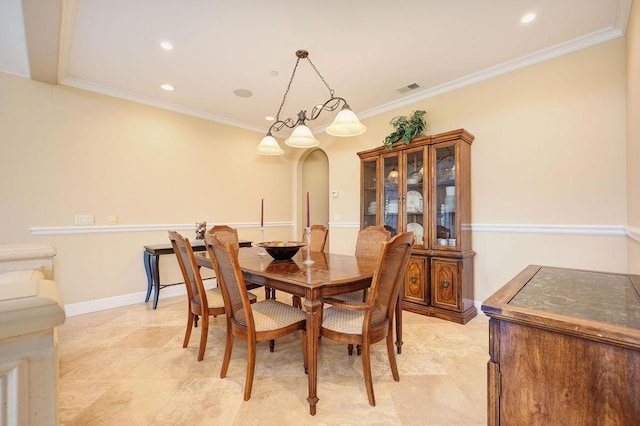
point(445, 199)
point(414, 195)
point(390, 196)
point(369, 193)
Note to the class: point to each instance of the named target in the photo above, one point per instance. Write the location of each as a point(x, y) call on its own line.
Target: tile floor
point(126, 366)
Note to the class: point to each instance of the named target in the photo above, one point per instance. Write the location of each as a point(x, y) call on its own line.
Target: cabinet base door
point(445, 284)
point(415, 284)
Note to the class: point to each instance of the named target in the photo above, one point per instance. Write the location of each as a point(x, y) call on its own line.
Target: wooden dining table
point(330, 275)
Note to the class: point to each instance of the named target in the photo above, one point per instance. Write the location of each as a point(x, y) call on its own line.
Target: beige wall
point(315, 181)
point(65, 152)
point(549, 150)
point(633, 135)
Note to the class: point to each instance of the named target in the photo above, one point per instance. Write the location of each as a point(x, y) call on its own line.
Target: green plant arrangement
point(406, 128)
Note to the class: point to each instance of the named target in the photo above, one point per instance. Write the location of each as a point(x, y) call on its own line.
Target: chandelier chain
point(284, 98)
point(321, 77)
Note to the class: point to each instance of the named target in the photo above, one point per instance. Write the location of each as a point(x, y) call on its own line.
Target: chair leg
point(204, 334)
point(305, 356)
point(251, 365)
point(392, 357)
point(228, 347)
point(350, 349)
point(296, 302)
point(187, 333)
point(272, 345)
point(366, 372)
point(359, 349)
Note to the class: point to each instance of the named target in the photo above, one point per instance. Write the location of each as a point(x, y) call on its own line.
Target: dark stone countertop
point(597, 296)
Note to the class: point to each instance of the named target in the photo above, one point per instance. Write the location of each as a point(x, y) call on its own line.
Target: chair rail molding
point(621, 230)
point(65, 230)
point(550, 228)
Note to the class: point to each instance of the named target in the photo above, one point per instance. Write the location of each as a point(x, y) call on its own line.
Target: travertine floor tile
point(129, 402)
point(202, 401)
point(127, 366)
point(148, 337)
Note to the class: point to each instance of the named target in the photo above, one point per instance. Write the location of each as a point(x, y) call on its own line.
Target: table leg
point(155, 273)
point(399, 324)
point(313, 308)
point(147, 268)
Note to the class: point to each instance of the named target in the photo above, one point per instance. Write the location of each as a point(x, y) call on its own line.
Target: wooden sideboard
point(565, 349)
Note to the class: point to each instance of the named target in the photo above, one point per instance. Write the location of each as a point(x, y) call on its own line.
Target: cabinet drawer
point(415, 283)
point(445, 283)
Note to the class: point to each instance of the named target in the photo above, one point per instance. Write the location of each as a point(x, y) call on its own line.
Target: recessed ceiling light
point(243, 93)
point(275, 73)
point(269, 118)
point(166, 45)
point(167, 87)
point(529, 17)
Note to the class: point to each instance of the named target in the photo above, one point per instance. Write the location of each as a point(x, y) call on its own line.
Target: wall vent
point(408, 87)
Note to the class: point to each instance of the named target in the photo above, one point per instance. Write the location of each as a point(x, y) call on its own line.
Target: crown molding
point(543, 55)
point(578, 43)
point(146, 100)
point(623, 10)
point(633, 232)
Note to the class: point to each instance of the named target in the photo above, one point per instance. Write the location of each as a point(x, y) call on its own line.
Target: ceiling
point(366, 50)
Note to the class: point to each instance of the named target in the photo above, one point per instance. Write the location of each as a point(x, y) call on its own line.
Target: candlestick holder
point(308, 260)
point(262, 252)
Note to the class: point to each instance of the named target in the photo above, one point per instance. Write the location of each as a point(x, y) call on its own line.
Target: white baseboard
point(90, 306)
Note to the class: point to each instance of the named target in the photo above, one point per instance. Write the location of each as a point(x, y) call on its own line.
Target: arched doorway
point(315, 181)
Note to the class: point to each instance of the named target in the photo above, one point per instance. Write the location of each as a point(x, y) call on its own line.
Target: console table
point(151, 258)
point(565, 348)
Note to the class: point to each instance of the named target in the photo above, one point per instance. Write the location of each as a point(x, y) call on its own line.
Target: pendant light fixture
point(344, 125)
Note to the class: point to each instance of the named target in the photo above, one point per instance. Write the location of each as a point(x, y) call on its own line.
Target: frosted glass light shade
point(302, 138)
point(269, 146)
point(346, 124)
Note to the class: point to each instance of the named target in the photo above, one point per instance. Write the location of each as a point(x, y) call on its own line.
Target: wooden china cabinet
point(425, 187)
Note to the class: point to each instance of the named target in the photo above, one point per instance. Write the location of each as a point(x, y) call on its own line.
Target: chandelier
point(344, 125)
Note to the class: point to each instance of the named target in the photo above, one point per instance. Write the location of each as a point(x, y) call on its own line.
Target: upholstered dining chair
point(264, 320)
point(370, 239)
point(201, 302)
point(319, 235)
point(369, 245)
point(369, 322)
point(227, 234)
point(230, 236)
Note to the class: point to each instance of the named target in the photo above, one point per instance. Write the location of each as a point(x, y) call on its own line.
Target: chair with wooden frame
point(226, 233)
point(367, 323)
point(369, 245)
point(262, 321)
point(201, 302)
point(230, 235)
point(319, 234)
